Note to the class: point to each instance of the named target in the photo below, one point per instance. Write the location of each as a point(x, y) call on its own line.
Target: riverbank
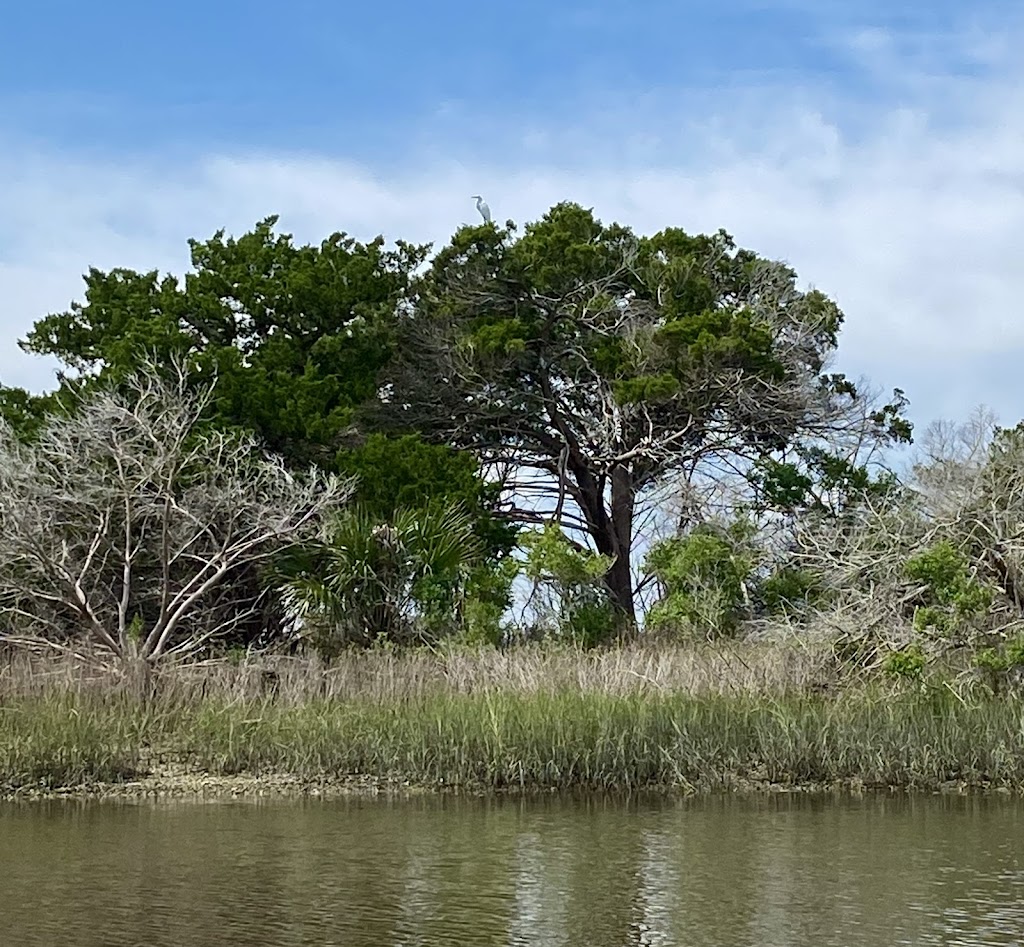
point(515, 722)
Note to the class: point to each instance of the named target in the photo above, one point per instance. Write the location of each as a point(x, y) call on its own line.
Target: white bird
point(485, 211)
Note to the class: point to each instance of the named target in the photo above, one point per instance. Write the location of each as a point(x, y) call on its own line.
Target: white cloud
point(910, 213)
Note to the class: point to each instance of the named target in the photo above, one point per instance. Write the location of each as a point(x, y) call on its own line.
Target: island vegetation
point(571, 507)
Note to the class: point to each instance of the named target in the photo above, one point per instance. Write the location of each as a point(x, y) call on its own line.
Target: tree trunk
point(137, 678)
point(619, 577)
point(610, 529)
point(619, 580)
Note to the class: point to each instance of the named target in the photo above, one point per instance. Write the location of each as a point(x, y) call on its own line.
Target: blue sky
point(315, 76)
point(878, 147)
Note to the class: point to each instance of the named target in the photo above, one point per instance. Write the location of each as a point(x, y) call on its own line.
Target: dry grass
point(730, 716)
point(700, 670)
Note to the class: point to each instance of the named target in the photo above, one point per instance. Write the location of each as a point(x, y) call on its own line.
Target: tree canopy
point(296, 335)
point(585, 365)
point(567, 375)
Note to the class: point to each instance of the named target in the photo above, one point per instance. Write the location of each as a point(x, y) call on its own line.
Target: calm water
point(765, 872)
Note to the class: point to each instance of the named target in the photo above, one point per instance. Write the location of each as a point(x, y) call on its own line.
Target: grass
point(684, 719)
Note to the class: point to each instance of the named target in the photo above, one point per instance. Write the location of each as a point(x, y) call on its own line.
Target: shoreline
point(178, 783)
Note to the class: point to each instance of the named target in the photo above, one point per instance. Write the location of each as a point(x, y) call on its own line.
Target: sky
point(877, 147)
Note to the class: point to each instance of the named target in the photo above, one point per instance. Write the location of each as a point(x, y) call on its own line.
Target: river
point(771, 871)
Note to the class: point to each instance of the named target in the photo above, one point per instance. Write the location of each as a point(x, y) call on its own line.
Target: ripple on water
point(728, 871)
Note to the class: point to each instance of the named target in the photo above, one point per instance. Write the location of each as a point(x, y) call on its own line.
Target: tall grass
point(525, 720)
point(628, 742)
point(62, 741)
point(725, 668)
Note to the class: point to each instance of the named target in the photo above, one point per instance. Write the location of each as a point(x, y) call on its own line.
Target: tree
point(124, 522)
point(296, 337)
point(294, 334)
point(586, 366)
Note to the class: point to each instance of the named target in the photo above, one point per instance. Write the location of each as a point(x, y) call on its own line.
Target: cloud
point(908, 209)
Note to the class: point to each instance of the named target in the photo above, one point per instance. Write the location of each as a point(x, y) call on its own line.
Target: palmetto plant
point(398, 581)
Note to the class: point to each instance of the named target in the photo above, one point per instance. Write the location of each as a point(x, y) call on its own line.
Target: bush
point(956, 596)
point(789, 590)
point(905, 664)
point(571, 597)
point(400, 582)
point(706, 576)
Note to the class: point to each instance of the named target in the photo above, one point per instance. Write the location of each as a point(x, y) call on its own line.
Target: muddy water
point(769, 872)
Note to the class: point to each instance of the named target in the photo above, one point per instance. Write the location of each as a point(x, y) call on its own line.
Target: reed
point(613, 742)
point(726, 668)
point(526, 720)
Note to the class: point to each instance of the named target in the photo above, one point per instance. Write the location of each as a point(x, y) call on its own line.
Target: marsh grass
point(725, 668)
point(66, 741)
point(591, 740)
point(518, 721)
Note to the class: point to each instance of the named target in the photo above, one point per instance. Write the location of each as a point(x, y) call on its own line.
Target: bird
point(485, 211)
point(625, 300)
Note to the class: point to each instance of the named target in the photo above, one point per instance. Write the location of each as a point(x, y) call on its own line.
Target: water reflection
point(723, 872)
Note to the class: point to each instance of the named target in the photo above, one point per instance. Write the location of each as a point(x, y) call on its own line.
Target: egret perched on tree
point(485, 211)
point(625, 300)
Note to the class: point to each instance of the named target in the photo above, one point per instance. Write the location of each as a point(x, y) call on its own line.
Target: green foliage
point(818, 481)
point(706, 575)
point(135, 629)
point(407, 472)
point(488, 597)
point(499, 337)
point(889, 419)
point(993, 660)
point(999, 663)
point(295, 334)
point(730, 339)
point(956, 595)
point(649, 389)
point(399, 581)
point(27, 415)
point(905, 664)
point(788, 590)
point(551, 555)
point(572, 575)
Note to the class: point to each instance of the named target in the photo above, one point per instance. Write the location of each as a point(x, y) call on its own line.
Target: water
point(764, 872)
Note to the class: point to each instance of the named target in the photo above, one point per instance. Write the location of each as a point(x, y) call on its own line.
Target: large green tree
point(586, 366)
point(296, 334)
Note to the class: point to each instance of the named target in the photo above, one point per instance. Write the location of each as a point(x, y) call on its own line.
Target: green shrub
point(998, 663)
point(956, 596)
point(706, 576)
point(905, 664)
point(400, 581)
point(578, 606)
point(789, 590)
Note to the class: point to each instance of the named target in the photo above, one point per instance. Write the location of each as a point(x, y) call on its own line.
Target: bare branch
point(121, 521)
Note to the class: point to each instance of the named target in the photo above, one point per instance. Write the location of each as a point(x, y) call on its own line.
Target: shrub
point(706, 576)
